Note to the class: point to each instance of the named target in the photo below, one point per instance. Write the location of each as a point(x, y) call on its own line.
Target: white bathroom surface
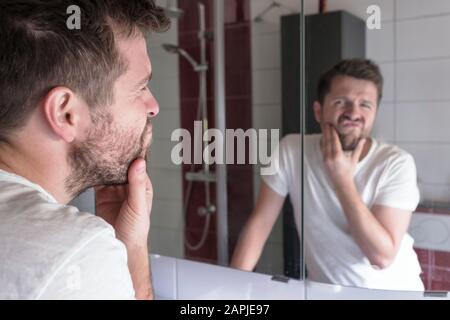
point(188, 280)
point(204, 281)
point(323, 291)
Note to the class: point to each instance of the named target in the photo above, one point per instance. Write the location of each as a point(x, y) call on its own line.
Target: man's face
point(350, 107)
point(121, 132)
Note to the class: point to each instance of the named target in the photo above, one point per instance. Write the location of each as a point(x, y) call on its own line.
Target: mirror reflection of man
point(75, 113)
point(359, 193)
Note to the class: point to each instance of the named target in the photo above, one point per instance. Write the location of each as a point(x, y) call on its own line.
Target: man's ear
point(317, 111)
point(62, 113)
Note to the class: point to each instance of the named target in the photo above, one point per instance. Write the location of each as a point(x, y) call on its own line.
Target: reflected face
point(121, 132)
point(350, 107)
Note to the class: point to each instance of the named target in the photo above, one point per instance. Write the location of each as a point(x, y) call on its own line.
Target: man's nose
point(352, 110)
point(152, 106)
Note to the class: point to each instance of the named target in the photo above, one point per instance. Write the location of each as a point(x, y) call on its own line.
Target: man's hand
point(127, 208)
point(340, 165)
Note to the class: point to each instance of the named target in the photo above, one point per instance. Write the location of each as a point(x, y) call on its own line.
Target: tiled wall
point(167, 225)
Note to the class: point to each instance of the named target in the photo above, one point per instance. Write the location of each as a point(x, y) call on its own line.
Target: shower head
point(274, 4)
point(171, 48)
point(173, 11)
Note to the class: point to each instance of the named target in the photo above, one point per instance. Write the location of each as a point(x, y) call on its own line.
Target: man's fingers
point(358, 150)
point(138, 186)
point(336, 147)
point(326, 138)
point(149, 192)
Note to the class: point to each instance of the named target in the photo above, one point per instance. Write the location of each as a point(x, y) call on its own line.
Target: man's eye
point(366, 105)
point(144, 88)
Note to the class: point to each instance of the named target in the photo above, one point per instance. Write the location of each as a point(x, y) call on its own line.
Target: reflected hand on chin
point(127, 207)
point(339, 165)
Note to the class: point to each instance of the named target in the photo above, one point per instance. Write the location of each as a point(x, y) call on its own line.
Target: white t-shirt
point(52, 251)
point(386, 176)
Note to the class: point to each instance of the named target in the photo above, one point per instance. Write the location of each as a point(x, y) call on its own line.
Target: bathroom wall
point(175, 85)
point(167, 224)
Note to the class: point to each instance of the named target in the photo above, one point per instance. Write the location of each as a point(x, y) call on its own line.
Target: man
point(75, 112)
point(359, 193)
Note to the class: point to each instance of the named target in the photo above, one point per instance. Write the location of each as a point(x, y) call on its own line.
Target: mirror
point(186, 219)
point(262, 81)
point(388, 227)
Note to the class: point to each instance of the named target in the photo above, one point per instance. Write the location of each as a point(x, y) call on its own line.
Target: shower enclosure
point(206, 175)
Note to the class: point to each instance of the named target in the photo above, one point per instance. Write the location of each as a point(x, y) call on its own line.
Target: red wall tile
point(238, 114)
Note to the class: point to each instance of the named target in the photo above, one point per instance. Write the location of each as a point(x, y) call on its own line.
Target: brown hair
point(39, 52)
point(363, 69)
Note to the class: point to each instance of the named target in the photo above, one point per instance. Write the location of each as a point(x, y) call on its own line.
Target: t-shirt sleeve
point(398, 188)
point(96, 270)
point(277, 180)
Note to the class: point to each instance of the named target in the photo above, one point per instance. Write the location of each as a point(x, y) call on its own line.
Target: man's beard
point(104, 157)
point(349, 142)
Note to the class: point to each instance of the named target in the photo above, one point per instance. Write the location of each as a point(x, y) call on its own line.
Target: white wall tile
point(167, 92)
point(166, 242)
point(384, 127)
point(388, 72)
point(419, 8)
point(166, 183)
point(423, 122)
point(154, 40)
point(160, 155)
point(434, 192)
point(423, 80)
point(167, 214)
point(432, 162)
point(266, 51)
point(266, 86)
point(380, 43)
point(267, 117)
point(165, 123)
point(164, 64)
point(422, 38)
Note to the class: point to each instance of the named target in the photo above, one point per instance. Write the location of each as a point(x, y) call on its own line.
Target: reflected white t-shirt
point(386, 176)
point(53, 251)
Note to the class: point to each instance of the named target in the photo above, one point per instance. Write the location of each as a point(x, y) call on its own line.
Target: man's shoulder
point(26, 207)
point(390, 152)
point(42, 234)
